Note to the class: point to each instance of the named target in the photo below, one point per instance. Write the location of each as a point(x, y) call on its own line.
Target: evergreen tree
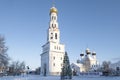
point(3, 55)
point(66, 69)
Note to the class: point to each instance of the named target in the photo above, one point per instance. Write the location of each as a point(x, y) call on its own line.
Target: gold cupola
point(53, 10)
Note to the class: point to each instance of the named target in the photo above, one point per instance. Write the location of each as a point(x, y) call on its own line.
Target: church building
point(52, 51)
point(87, 63)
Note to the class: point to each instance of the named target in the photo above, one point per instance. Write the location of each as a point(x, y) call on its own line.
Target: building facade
point(53, 52)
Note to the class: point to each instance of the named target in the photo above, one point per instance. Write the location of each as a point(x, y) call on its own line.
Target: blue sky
point(83, 23)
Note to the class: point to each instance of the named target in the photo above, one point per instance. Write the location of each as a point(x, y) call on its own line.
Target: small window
point(51, 37)
point(61, 65)
point(59, 48)
point(55, 35)
point(92, 66)
point(61, 58)
point(54, 47)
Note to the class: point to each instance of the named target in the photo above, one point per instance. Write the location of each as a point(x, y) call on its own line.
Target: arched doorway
point(44, 72)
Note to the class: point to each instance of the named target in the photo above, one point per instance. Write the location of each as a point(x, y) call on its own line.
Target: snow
point(38, 77)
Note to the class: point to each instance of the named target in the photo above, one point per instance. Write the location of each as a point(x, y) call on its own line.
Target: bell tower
point(53, 31)
point(53, 51)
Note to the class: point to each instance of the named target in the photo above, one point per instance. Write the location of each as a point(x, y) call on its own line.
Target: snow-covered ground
point(37, 77)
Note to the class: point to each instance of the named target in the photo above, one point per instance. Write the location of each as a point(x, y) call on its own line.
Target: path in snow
point(38, 77)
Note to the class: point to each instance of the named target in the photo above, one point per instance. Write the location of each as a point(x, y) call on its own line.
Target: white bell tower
point(53, 33)
point(53, 52)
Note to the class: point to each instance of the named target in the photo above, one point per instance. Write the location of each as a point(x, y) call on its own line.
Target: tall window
point(55, 35)
point(55, 25)
point(59, 48)
point(52, 25)
point(54, 18)
point(51, 35)
point(53, 64)
point(54, 58)
point(54, 47)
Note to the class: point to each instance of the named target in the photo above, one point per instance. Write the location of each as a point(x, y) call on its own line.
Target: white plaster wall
point(56, 57)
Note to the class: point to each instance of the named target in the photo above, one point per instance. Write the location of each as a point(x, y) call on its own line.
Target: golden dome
point(53, 10)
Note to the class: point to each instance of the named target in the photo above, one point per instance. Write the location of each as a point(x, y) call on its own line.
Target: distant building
point(87, 63)
point(53, 52)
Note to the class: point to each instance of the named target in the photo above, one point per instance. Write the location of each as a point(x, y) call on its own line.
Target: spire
point(53, 3)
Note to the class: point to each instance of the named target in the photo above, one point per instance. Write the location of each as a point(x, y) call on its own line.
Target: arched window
point(54, 18)
point(55, 35)
point(52, 25)
point(51, 35)
point(55, 25)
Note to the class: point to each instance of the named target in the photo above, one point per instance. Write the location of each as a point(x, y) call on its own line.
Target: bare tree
point(106, 68)
point(105, 65)
point(17, 68)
